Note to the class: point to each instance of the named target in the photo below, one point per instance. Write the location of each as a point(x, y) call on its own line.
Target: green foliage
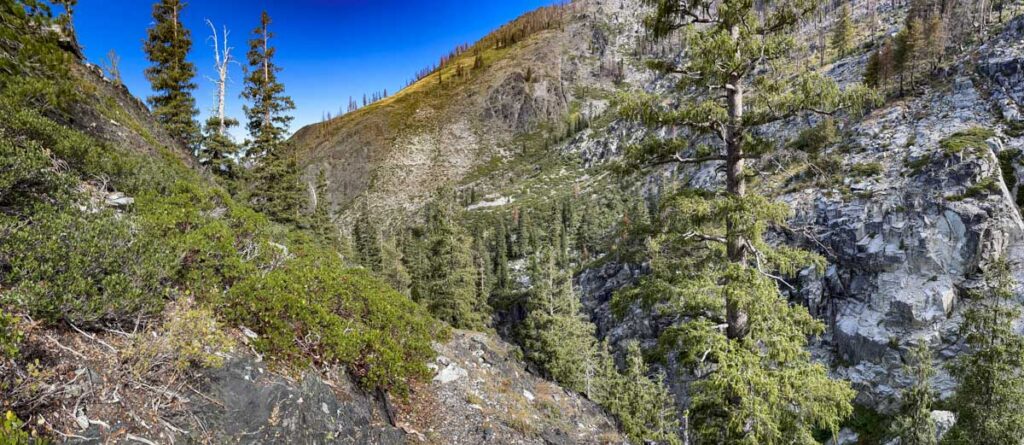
point(33, 67)
point(867, 169)
point(915, 426)
point(643, 406)
point(10, 335)
point(815, 139)
point(984, 187)
point(86, 268)
point(555, 334)
point(1007, 166)
point(267, 114)
point(842, 33)
point(444, 275)
point(313, 307)
point(368, 242)
point(990, 379)
point(65, 257)
point(217, 150)
point(12, 432)
point(971, 139)
point(275, 188)
point(172, 76)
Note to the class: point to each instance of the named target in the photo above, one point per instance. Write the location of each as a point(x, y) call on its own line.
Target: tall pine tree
point(915, 425)
point(275, 185)
point(991, 382)
point(712, 265)
point(171, 75)
point(267, 113)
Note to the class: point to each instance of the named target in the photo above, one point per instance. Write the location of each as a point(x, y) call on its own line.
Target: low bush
point(973, 139)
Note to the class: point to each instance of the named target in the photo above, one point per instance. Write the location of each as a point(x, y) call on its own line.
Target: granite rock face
point(903, 245)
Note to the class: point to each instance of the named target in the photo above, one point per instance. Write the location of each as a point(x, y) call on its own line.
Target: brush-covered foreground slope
point(909, 204)
point(139, 302)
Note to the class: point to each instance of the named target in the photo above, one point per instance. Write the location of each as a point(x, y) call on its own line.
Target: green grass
point(972, 139)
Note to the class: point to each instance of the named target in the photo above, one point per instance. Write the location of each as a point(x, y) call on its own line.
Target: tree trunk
point(736, 318)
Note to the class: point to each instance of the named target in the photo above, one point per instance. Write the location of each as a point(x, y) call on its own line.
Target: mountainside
point(909, 204)
point(141, 303)
point(396, 152)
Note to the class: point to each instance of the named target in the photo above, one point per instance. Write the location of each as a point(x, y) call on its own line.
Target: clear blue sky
point(329, 49)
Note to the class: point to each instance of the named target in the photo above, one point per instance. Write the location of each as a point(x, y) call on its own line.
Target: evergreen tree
point(321, 218)
point(842, 34)
point(267, 114)
point(447, 275)
point(711, 262)
point(554, 334)
point(502, 278)
point(218, 151)
point(392, 267)
point(368, 242)
point(276, 189)
point(171, 75)
point(991, 383)
point(643, 406)
point(915, 426)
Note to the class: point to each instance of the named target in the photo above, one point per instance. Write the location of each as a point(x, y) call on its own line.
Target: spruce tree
point(915, 425)
point(555, 334)
point(991, 383)
point(267, 113)
point(275, 186)
point(842, 34)
point(218, 150)
point(643, 406)
point(321, 218)
point(711, 263)
point(393, 269)
point(276, 189)
point(171, 75)
point(368, 242)
point(447, 275)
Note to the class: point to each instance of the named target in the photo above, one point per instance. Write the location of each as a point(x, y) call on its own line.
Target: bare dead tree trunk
point(222, 58)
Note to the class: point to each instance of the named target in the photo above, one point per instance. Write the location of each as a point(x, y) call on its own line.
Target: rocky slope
point(394, 153)
point(906, 222)
point(108, 383)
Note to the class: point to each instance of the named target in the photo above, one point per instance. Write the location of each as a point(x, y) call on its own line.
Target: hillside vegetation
point(98, 235)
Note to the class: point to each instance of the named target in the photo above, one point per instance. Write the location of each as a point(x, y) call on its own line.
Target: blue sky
point(329, 49)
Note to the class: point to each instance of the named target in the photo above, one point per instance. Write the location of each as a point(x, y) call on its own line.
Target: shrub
point(973, 138)
point(866, 169)
point(813, 140)
point(312, 308)
point(191, 337)
point(10, 335)
point(86, 268)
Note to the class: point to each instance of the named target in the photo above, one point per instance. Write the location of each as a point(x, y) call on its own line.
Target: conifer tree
point(643, 406)
point(502, 278)
point(321, 218)
point(446, 277)
point(842, 34)
point(554, 334)
point(915, 425)
point(393, 269)
point(368, 242)
point(712, 265)
point(267, 113)
point(991, 383)
point(276, 188)
point(171, 75)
